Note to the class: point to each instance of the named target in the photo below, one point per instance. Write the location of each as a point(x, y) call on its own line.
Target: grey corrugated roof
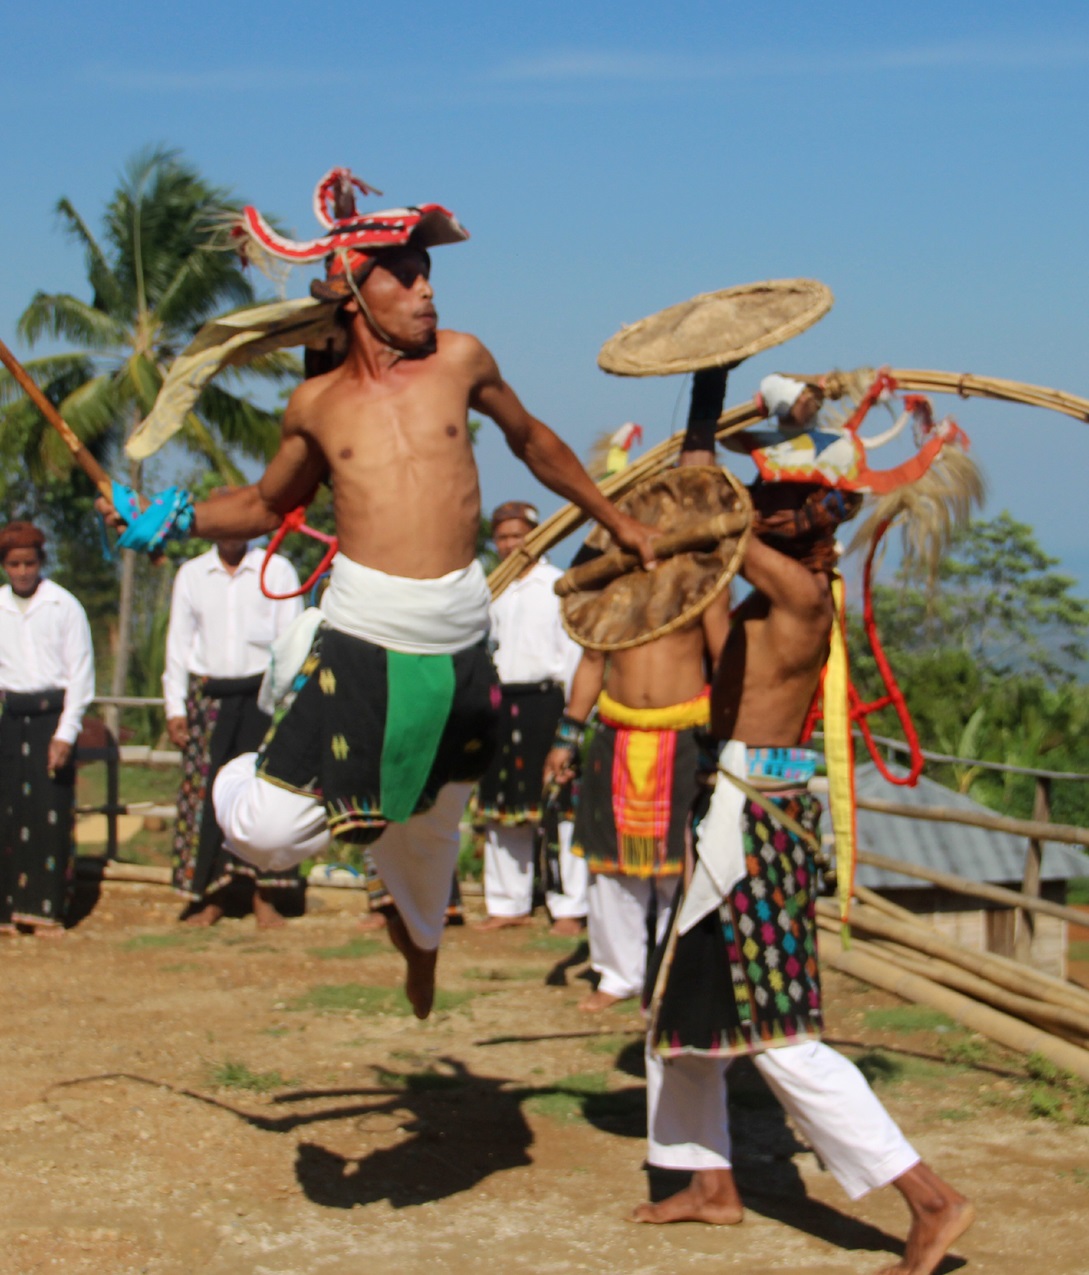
point(974, 853)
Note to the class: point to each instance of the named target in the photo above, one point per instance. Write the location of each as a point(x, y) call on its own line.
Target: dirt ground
point(233, 1101)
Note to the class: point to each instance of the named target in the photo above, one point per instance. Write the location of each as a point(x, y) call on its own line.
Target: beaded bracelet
point(569, 733)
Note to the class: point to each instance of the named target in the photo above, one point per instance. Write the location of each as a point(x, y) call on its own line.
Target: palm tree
point(154, 281)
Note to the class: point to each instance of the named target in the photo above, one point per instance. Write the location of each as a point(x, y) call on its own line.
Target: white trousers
point(508, 873)
point(508, 869)
point(619, 909)
point(274, 828)
point(570, 900)
point(825, 1095)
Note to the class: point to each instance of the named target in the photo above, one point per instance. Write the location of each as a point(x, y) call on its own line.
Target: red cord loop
point(295, 521)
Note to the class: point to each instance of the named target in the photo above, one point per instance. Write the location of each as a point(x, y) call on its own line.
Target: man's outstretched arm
point(551, 461)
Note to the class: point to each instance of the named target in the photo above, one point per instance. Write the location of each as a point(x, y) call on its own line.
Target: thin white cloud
point(586, 66)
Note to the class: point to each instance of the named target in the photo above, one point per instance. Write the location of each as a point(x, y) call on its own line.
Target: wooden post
point(1030, 885)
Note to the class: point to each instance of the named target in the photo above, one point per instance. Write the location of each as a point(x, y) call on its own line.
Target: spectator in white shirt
point(46, 684)
point(222, 627)
point(535, 660)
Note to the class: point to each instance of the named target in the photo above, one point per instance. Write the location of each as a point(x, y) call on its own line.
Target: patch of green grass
point(968, 1051)
point(907, 1018)
point(1077, 891)
point(236, 1075)
point(608, 1044)
point(359, 998)
point(1056, 1094)
point(171, 938)
point(567, 1099)
point(350, 951)
point(1079, 950)
point(955, 1113)
point(553, 943)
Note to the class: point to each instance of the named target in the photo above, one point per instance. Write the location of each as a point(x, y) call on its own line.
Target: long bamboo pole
point(974, 889)
point(864, 963)
point(963, 384)
point(1020, 979)
point(1068, 1023)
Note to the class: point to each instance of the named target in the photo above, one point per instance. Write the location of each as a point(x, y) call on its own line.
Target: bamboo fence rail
point(1068, 834)
point(976, 889)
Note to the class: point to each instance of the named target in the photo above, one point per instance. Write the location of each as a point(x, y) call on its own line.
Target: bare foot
point(420, 972)
point(8, 927)
point(939, 1217)
point(710, 1197)
point(501, 923)
point(48, 931)
point(566, 927)
point(599, 1000)
point(208, 915)
point(372, 922)
point(266, 913)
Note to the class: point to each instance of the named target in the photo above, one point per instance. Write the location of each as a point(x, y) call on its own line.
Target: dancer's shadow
point(557, 975)
point(458, 1128)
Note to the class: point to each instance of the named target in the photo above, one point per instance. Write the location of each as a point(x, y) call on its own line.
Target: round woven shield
point(716, 328)
point(641, 605)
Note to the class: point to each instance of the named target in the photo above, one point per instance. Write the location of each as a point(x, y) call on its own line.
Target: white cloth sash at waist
point(720, 855)
point(419, 617)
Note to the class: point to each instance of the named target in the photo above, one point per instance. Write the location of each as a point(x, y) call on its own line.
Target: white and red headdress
point(351, 237)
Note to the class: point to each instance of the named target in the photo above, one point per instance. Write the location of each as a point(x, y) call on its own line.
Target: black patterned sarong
point(375, 734)
point(746, 978)
point(223, 721)
point(510, 791)
point(37, 812)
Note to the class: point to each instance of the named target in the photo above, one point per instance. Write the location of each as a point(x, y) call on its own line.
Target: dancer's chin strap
point(168, 517)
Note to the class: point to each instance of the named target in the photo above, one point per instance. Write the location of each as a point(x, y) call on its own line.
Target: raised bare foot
point(420, 971)
point(599, 1000)
point(266, 913)
point(208, 915)
point(710, 1197)
point(372, 922)
point(939, 1217)
point(566, 927)
point(501, 923)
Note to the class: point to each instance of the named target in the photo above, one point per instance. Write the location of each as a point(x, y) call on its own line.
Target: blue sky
point(927, 162)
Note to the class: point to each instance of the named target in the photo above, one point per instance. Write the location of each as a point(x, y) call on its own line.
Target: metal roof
point(974, 853)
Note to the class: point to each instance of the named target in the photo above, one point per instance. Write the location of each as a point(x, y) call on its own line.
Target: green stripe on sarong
point(420, 692)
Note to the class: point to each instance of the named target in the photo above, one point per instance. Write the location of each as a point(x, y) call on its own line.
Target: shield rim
point(613, 358)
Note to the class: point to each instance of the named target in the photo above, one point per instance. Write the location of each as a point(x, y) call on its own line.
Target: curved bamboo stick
point(863, 962)
point(964, 384)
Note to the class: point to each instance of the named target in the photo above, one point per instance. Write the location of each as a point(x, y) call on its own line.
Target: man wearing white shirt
point(217, 649)
point(46, 684)
point(535, 660)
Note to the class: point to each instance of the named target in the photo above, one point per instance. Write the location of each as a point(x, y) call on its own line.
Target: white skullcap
point(779, 394)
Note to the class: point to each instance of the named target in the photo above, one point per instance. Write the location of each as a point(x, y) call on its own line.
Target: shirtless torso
point(389, 430)
point(773, 656)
